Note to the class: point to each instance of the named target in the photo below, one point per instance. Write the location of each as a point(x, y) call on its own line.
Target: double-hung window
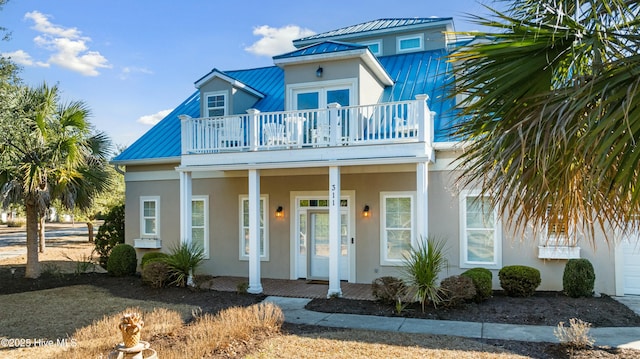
point(149, 216)
point(216, 103)
point(480, 235)
point(244, 228)
point(397, 226)
point(200, 223)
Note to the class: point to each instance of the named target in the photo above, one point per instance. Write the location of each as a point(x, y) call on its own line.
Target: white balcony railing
point(393, 122)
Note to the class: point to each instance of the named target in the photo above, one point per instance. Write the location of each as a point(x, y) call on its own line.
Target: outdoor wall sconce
point(279, 212)
point(365, 211)
point(319, 71)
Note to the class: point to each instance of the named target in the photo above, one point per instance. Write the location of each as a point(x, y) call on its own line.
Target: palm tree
point(551, 112)
point(49, 152)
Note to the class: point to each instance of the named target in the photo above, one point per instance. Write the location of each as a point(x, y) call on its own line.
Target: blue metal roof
point(413, 73)
point(374, 25)
point(322, 48)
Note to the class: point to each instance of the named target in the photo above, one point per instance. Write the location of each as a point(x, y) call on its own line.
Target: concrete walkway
point(294, 312)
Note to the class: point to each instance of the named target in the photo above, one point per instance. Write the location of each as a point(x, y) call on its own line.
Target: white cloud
point(276, 41)
point(126, 71)
point(69, 48)
point(21, 57)
point(155, 118)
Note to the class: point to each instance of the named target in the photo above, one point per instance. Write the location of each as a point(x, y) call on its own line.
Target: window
point(216, 104)
point(244, 228)
point(200, 223)
point(375, 47)
point(397, 226)
point(410, 43)
point(479, 232)
point(149, 217)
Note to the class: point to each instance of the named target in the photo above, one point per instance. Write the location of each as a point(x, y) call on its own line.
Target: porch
point(300, 288)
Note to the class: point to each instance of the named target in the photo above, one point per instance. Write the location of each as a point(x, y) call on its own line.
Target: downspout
point(117, 168)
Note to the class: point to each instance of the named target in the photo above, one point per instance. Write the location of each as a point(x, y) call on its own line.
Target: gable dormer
point(348, 72)
point(391, 36)
point(221, 95)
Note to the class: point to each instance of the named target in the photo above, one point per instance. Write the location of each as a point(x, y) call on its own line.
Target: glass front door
point(318, 250)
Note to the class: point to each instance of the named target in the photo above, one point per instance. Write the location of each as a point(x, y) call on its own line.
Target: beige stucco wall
point(367, 184)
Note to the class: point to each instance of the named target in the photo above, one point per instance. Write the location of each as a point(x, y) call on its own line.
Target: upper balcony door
point(308, 99)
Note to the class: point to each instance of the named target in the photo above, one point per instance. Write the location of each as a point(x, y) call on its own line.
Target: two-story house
point(329, 165)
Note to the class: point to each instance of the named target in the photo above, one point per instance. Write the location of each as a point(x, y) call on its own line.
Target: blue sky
point(132, 61)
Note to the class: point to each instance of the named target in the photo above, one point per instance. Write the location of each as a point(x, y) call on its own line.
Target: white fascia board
point(363, 54)
point(352, 36)
point(230, 80)
point(447, 146)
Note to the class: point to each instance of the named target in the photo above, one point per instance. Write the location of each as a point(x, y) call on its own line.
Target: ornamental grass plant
point(422, 266)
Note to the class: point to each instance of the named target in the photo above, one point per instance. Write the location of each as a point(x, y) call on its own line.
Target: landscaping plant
point(482, 279)
point(110, 234)
point(156, 274)
point(183, 261)
point(389, 289)
point(519, 281)
point(152, 257)
point(422, 265)
point(578, 278)
point(576, 335)
point(456, 290)
point(122, 261)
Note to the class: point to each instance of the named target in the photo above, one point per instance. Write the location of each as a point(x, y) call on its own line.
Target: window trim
point(497, 234)
point(265, 210)
point(225, 107)
point(143, 233)
point(206, 240)
point(384, 261)
point(400, 39)
point(374, 42)
point(292, 90)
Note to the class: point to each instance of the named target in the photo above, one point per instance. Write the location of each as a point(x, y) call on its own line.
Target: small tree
point(110, 234)
point(422, 266)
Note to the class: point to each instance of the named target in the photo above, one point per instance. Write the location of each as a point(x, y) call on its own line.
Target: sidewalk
point(294, 312)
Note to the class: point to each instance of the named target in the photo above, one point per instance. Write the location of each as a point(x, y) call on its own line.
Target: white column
point(255, 286)
point(185, 207)
point(422, 200)
point(334, 232)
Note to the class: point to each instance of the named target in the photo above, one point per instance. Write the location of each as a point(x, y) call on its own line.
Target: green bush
point(422, 266)
point(110, 234)
point(578, 278)
point(152, 257)
point(482, 280)
point(122, 261)
point(457, 290)
point(183, 261)
point(388, 289)
point(519, 281)
point(156, 274)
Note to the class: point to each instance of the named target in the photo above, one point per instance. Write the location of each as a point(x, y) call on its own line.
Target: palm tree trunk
point(90, 229)
point(33, 261)
point(41, 240)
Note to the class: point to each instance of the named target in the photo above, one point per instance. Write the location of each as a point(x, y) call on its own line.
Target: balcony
point(389, 130)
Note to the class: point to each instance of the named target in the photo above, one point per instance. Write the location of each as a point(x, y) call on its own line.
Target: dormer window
point(374, 46)
point(410, 43)
point(216, 103)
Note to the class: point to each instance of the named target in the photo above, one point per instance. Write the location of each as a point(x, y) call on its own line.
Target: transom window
point(479, 232)
point(216, 104)
point(410, 43)
point(397, 226)
point(244, 228)
point(149, 216)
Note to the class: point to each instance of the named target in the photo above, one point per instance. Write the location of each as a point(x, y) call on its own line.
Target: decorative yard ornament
point(132, 347)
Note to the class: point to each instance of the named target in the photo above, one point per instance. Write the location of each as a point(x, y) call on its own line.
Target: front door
point(318, 255)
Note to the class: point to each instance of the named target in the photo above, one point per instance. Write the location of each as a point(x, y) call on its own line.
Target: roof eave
point(235, 83)
point(146, 161)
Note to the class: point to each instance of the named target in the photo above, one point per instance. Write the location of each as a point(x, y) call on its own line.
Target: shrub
point(456, 290)
point(482, 280)
point(110, 234)
point(152, 257)
point(155, 274)
point(388, 289)
point(576, 335)
point(519, 281)
point(578, 278)
point(183, 261)
point(122, 261)
point(422, 266)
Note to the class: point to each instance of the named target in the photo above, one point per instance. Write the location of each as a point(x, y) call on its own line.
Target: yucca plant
point(422, 265)
point(183, 261)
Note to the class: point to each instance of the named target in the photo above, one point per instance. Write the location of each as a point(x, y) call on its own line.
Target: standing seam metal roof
point(414, 73)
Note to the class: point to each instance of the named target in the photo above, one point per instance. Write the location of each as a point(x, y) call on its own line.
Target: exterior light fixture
point(279, 212)
point(319, 71)
point(365, 212)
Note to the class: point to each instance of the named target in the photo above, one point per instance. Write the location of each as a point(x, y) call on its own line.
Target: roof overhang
point(364, 54)
point(146, 161)
point(215, 73)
